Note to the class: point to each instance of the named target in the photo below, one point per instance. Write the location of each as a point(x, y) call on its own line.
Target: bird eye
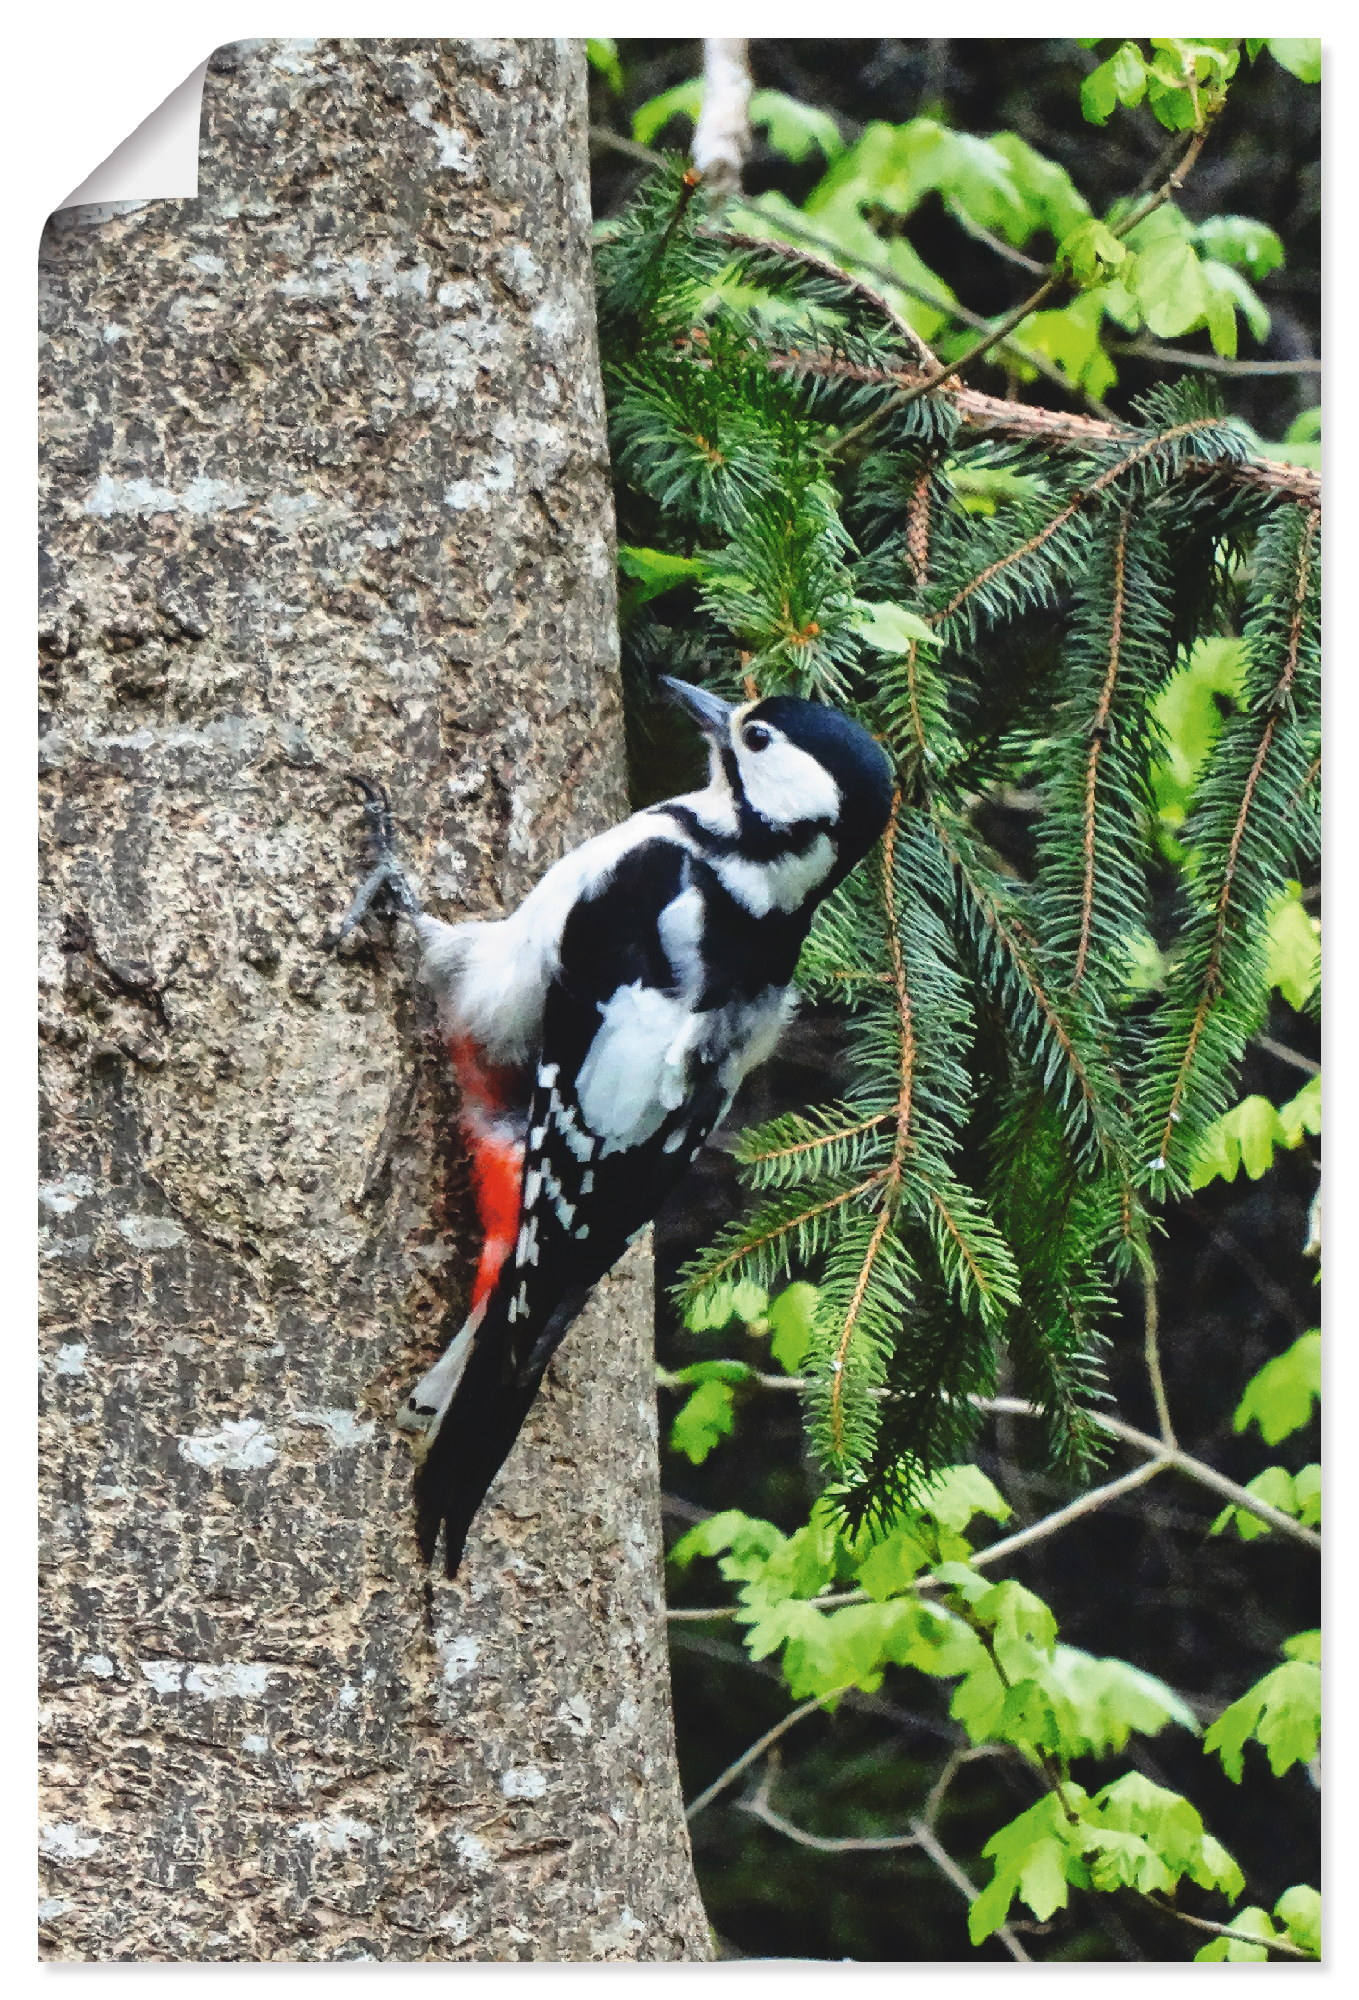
point(756, 737)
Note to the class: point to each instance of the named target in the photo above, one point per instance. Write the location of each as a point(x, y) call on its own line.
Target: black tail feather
point(479, 1427)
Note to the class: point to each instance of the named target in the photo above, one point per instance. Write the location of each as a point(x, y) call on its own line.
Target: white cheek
point(785, 785)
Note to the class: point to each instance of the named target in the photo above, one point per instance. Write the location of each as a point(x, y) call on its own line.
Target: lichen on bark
point(325, 489)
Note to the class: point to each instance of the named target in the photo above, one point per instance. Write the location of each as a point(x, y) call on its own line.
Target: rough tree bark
point(326, 490)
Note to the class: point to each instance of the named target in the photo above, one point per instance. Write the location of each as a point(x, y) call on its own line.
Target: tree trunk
point(326, 490)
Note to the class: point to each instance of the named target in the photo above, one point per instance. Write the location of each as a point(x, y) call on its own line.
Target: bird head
point(786, 764)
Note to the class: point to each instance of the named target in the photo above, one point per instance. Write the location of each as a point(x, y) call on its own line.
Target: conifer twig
point(1210, 984)
point(1030, 423)
point(903, 1140)
point(1099, 730)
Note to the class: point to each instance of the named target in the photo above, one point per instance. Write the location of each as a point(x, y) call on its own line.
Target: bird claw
point(388, 878)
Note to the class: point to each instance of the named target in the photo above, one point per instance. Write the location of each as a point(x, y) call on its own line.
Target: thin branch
point(1182, 1461)
point(946, 1865)
point(1085, 1503)
point(1280, 1945)
point(980, 234)
point(1215, 364)
point(631, 149)
point(1154, 1448)
point(921, 1836)
point(757, 1805)
point(757, 1749)
point(1285, 1054)
point(1151, 1348)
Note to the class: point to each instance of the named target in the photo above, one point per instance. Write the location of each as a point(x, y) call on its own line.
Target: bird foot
point(387, 883)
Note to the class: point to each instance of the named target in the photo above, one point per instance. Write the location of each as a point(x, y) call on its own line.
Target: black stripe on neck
point(755, 839)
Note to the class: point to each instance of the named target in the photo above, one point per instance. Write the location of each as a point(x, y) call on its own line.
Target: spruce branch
point(1253, 860)
point(1098, 734)
point(1127, 463)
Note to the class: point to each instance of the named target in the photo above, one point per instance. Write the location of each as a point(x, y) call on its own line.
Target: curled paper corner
point(156, 162)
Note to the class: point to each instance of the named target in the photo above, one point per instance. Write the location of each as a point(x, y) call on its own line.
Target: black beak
point(709, 711)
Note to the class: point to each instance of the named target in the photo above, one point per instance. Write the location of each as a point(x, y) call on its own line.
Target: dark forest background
point(1140, 1579)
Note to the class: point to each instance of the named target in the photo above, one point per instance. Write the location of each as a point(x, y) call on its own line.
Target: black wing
point(586, 1191)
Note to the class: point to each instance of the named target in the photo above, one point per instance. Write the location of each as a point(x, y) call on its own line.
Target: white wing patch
point(636, 1071)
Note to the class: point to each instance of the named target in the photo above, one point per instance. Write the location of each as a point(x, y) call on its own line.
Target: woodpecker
point(601, 1031)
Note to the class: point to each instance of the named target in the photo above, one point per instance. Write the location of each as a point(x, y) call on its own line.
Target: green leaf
point(714, 1308)
point(1189, 715)
point(958, 1492)
point(980, 489)
point(1070, 337)
point(746, 1536)
point(893, 1563)
point(602, 54)
point(1122, 79)
point(1301, 59)
point(1023, 1629)
point(656, 571)
point(1240, 240)
point(1050, 199)
point(890, 628)
point(1282, 1712)
point(1304, 1646)
point(791, 1317)
point(1032, 1857)
point(1294, 961)
point(703, 1421)
point(1228, 293)
point(683, 100)
point(1172, 1829)
point(1299, 1911)
point(1167, 281)
point(1091, 252)
point(1307, 1486)
point(1097, 1704)
point(1280, 1397)
point(1246, 1135)
point(1235, 1951)
point(1296, 1494)
point(793, 129)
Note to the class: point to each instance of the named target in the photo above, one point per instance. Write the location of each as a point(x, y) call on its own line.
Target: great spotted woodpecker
point(600, 1032)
